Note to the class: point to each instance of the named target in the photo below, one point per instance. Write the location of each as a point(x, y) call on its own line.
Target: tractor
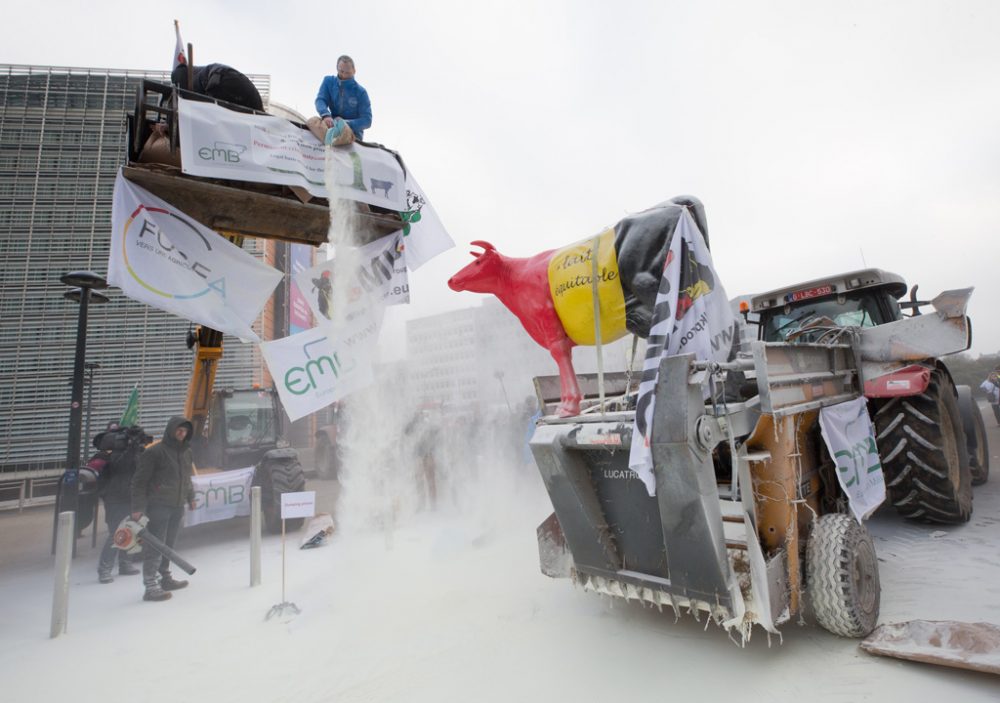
point(931, 434)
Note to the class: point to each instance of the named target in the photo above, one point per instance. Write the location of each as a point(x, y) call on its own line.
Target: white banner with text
point(163, 258)
point(220, 496)
point(315, 368)
point(375, 277)
point(220, 143)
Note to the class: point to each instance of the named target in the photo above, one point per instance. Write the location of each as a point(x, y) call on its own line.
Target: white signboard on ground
point(220, 496)
point(302, 504)
point(850, 439)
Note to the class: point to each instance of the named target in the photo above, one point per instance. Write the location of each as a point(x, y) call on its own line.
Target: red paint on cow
point(522, 285)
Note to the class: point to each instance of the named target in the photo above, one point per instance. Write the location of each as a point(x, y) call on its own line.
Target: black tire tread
point(916, 458)
point(281, 477)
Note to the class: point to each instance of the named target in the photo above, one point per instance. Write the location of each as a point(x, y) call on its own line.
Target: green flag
point(131, 415)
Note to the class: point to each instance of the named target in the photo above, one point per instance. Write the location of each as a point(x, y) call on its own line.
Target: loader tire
point(842, 576)
point(975, 436)
point(924, 456)
point(279, 477)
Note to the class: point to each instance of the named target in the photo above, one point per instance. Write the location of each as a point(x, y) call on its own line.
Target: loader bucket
point(736, 487)
point(664, 550)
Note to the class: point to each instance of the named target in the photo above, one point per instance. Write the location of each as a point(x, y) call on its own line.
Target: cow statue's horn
point(485, 245)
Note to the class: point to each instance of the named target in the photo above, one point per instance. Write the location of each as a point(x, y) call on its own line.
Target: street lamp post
point(91, 367)
point(84, 284)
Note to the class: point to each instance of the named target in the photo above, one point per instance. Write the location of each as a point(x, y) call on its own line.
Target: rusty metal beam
point(252, 213)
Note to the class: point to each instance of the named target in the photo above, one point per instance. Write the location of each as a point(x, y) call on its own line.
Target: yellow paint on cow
point(571, 272)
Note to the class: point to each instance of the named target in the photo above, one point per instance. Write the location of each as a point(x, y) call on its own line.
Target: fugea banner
point(221, 143)
point(375, 277)
point(320, 366)
point(220, 496)
point(163, 258)
point(691, 316)
point(850, 439)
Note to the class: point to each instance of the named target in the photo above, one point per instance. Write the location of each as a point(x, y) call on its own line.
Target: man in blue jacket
point(341, 96)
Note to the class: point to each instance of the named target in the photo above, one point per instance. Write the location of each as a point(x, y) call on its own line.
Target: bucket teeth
point(677, 610)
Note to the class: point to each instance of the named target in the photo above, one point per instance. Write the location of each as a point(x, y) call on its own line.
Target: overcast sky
point(821, 136)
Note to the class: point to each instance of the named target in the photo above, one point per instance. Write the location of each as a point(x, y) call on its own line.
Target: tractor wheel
point(975, 436)
point(279, 477)
point(842, 576)
point(922, 445)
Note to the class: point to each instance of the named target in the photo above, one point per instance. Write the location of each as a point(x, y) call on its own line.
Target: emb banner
point(220, 496)
point(850, 439)
point(220, 143)
point(320, 366)
point(163, 258)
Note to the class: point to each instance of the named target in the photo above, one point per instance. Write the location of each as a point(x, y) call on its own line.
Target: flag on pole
point(691, 316)
point(180, 58)
point(131, 415)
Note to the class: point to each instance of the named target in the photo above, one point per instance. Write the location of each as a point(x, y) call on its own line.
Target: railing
point(27, 483)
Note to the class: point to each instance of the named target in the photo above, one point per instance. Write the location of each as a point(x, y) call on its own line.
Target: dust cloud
point(403, 461)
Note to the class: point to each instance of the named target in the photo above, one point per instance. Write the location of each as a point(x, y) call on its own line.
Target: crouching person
point(119, 450)
point(160, 490)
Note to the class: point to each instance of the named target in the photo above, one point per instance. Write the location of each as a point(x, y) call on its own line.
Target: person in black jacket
point(221, 82)
point(119, 448)
point(161, 488)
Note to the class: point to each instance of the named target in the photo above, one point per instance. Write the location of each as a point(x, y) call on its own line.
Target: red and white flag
point(180, 58)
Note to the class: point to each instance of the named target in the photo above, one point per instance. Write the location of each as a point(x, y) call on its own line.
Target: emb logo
point(299, 380)
point(222, 151)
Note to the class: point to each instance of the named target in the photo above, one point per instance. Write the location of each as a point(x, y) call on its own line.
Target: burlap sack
point(156, 150)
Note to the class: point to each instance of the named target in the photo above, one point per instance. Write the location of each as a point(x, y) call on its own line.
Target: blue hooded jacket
point(347, 99)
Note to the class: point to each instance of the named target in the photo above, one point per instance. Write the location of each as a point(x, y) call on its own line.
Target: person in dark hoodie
point(118, 450)
point(161, 488)
point(219, 81)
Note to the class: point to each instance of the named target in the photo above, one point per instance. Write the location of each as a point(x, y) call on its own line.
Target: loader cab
point(863, 298)
point(243, 426)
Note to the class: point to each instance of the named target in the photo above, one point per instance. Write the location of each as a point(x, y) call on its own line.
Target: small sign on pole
point(293, 505)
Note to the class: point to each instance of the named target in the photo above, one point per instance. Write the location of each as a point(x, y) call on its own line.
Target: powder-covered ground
point(450, 606)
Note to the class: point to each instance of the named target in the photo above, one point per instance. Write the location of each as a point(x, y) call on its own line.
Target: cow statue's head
point(482, 275)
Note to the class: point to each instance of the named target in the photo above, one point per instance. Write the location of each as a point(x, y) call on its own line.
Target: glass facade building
point(62, 140)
